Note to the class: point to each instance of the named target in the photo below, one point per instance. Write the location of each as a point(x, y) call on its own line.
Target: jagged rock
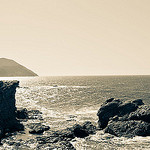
point(142, 113)
point(89, 127)
point(113, 107)
point(107, 110)
point(128, 128)
point(126, 108)
point(129, 118)
point(36, 128)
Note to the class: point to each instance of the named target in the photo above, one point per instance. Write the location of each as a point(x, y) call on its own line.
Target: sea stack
point(8, 121)
point(10, 68)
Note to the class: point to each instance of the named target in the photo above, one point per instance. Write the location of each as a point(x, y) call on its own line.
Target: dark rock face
point(142, 113)
point(8, 121)
point(129, 118)
point(103, 113)
point(128, 128)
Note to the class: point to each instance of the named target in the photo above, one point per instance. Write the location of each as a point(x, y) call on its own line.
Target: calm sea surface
point(65, 101)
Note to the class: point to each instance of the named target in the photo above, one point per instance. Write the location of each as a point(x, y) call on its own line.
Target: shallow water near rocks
point(65, 101)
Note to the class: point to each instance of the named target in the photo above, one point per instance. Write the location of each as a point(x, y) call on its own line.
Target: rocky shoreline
point(116, 117)
point(125, 118)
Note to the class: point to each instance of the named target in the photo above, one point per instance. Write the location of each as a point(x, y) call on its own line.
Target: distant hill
point(10, 68)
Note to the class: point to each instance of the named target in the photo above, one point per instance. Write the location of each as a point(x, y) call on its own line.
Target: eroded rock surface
point(125, 118)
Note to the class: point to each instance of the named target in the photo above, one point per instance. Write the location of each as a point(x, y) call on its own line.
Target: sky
point(77, 37)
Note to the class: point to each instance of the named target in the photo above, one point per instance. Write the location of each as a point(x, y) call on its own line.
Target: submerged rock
point(62, 145)
point(125, 118)
point(36, 128)
point(35, 114)
point(22, 113)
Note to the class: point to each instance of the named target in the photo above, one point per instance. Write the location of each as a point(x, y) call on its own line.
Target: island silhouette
point(10, 68)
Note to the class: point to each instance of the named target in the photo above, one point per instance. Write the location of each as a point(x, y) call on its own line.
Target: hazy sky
point(77, 37)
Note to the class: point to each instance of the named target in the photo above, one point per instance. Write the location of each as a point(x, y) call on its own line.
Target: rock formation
point(124, 118)
point(10, 68)
point(8, 121)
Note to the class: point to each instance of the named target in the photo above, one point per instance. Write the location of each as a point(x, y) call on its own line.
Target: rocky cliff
point(8, 121)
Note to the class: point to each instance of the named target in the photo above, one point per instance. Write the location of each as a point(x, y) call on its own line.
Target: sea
point(67, 100)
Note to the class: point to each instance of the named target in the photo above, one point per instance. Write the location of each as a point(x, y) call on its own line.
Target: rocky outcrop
point(124, 118)
point(59, 139)
point(8, 121)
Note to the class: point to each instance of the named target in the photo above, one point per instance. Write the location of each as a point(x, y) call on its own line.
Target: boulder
point(79, 131)
point(125, 118)
point(112, 107)
point(84, 130)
